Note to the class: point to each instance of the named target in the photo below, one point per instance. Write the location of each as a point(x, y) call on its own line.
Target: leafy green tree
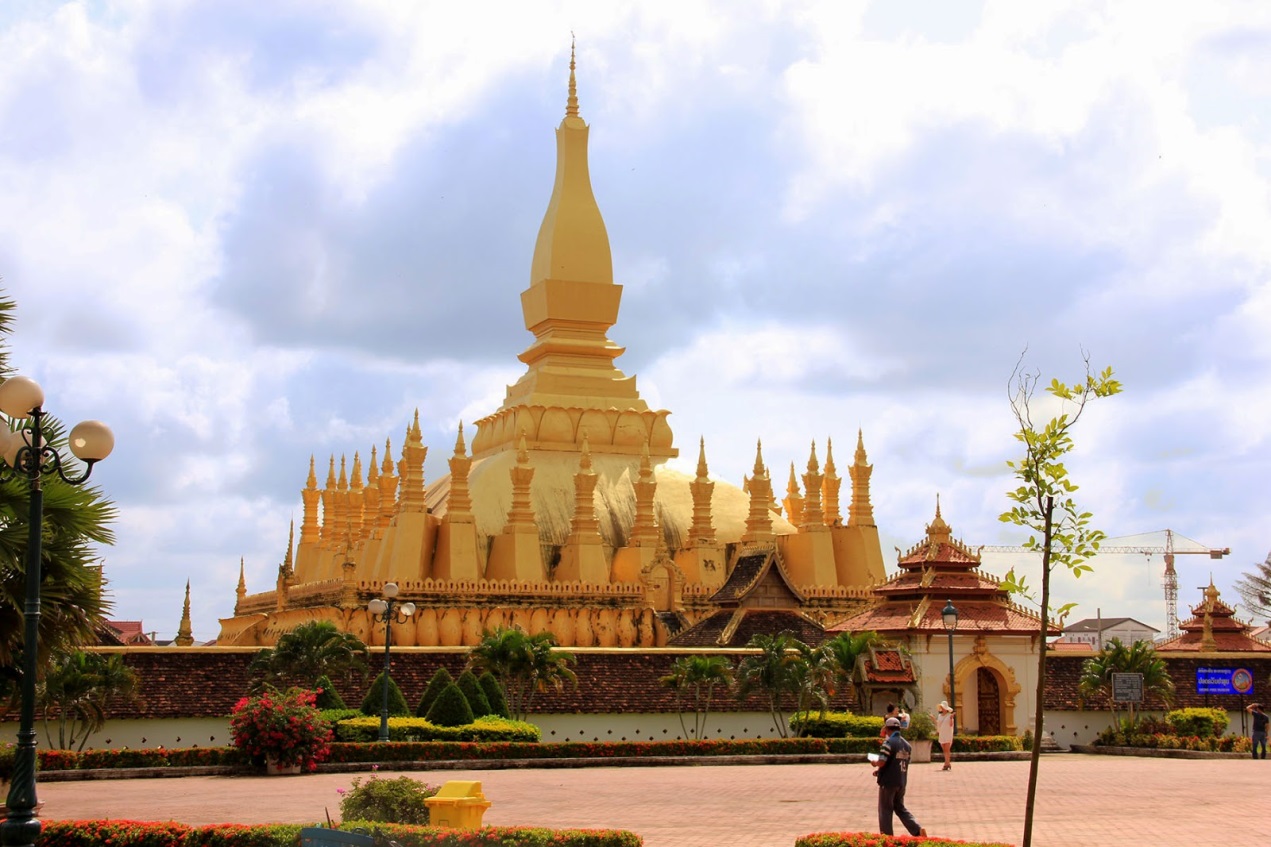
point(1044, 505)
point(1139, 657)
point(77, 692)
point(1254, 587)
point(695, 679)
point(373, 702)
point(494, 695)
point(440, 679)
point(476, 698)
point(76, 521)
point(814, 677)
point(523, 665)
point(312, 650)
point(328, 697)
point(773, 672)
point(451, 708)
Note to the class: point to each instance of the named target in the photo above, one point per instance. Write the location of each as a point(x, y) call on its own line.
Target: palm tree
point(814, 675)
point(773, 671)
point(1139, 657)
point(312, 650)
point(698, 677)
point(522, 664)
point(79, 688)
point(846, 648)
point(76, 520)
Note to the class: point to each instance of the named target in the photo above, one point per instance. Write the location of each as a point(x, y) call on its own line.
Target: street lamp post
point(386, 609)
point(27, 454)
point(950, 615)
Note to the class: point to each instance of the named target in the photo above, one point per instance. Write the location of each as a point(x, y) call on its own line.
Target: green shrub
point(836, 725)
point(987, 743)
point(398, 800)
point(450, 708)
point(494, 695)
point(334, 716)
point(373, 703)
point(472, 691)
point(922, 727)
point(435, 686)
point(328, 697)
point(1201, 722)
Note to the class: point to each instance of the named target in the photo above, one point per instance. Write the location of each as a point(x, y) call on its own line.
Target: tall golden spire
point(861, 511)
point(571, 103)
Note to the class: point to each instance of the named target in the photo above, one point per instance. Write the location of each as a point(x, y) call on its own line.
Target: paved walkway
point(1083, 801)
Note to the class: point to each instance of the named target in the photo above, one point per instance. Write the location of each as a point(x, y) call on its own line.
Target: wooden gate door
point(989, 702)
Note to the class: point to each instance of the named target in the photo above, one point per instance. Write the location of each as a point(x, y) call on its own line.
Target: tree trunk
point(1040, 705)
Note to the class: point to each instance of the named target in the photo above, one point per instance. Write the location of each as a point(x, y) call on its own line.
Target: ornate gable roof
point(1213, 628)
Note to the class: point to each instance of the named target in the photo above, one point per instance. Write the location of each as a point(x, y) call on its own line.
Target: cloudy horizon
point(243, 234)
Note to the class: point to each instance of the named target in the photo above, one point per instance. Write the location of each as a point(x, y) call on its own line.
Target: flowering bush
point(284, 727)
point(870, 839)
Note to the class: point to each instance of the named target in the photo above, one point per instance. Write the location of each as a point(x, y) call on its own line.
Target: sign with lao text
point(1127, 687)
point(1224, 681)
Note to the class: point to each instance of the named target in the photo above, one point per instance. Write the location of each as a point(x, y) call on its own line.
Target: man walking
point(1259, 729)
point(892, 772)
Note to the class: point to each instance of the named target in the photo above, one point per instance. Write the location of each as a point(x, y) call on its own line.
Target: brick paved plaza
point(1083, 801)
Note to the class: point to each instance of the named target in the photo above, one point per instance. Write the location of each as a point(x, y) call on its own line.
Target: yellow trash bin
point(459, 804)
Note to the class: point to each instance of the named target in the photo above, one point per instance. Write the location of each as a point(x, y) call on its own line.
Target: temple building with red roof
point(994, 645)
point(1213, 628)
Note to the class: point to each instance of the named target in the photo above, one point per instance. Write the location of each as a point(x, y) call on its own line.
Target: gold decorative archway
point(1007, 685)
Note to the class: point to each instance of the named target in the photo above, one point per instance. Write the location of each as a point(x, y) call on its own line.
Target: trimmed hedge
point(473, 693)
point(450, 709)
point(1198, 721)
point(167, 834)
point(418, 729)
point(870, 839)
point(437, 684)
point(837, 725)
point(328, 697)
point(494, 695)
point(373, 702)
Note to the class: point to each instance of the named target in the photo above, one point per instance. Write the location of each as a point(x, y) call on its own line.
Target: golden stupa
point(565, 516)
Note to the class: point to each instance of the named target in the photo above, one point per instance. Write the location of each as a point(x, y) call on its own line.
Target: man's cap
point(892, 723)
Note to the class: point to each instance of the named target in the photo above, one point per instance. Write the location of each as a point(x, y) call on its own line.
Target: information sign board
point(1224, 681)
point(1127, 687)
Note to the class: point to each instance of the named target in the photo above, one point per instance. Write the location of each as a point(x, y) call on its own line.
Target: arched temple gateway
point(564, 517)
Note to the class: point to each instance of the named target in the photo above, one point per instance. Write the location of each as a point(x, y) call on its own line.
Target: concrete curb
point(502, 764)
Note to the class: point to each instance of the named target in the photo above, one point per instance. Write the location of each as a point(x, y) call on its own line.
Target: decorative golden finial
point(291, 546)
point(813, 466)
point(343, 484)
point(792, 487)
point(313, 480)
point(938, 505)
point(701, 459)
point(522, 453)
point(571, 105)
point(758, 469)
point(355, 481)
point(829, 457)
point(646, 467)
point(387, 466)
point(372, 468)
point(242, 577)
point(861, 458)
point(461, 449)
point(331, 472)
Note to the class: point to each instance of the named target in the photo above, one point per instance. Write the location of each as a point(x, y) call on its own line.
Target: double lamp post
point(28, 455)
point(388, 610)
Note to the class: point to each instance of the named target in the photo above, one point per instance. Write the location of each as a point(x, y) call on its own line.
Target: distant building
point(124, 634)
point(1097, 632)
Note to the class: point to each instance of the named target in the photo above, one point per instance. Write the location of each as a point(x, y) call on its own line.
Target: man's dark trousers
point(891, 799)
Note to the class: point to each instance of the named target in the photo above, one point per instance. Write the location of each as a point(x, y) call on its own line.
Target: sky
point(245, 233)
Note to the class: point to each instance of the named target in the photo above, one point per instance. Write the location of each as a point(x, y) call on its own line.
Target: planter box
point(921, 752)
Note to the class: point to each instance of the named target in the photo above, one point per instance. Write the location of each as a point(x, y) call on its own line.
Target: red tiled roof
point(1224, 642)
point(708, 631)
point(988, 617)
point(887, 665)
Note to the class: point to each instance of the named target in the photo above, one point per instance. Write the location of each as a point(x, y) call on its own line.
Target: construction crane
point(1167, 549)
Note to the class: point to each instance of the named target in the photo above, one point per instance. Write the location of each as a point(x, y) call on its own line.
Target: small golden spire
point(331, 472)
point(242, 577)
point(461, 449)
point(792, 487)
point(343, 484)
point(571, 105)
point(355, 481)
point(701, 460)
point(313, 480)
point(758, 469)
point(829, 457)
point(813, 466)
point(584, 463)
point(522, 454)
point(372, 469)
point(387, 466)
point(185, 636)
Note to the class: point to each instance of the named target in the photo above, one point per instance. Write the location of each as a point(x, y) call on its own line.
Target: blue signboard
point(1224, 681)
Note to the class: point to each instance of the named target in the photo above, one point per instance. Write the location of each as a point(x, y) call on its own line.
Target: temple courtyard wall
point(187, 695)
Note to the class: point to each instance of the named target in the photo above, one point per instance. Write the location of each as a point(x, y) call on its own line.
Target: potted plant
point(921, 733)
point(282, 728)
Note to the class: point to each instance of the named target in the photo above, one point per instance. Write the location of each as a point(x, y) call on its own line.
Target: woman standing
point(944, 730)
